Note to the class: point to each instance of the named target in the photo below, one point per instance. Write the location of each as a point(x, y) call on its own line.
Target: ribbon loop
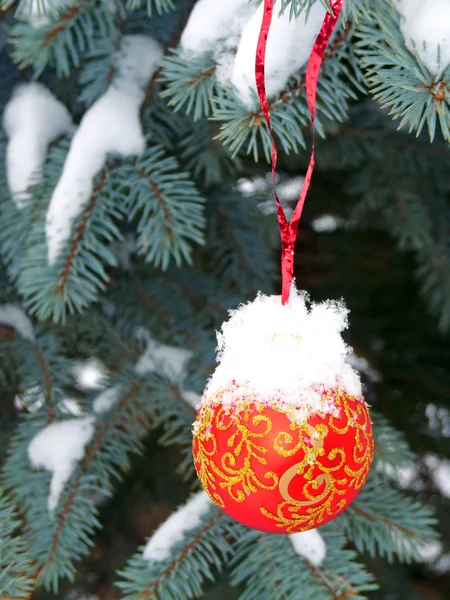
point(288, 231)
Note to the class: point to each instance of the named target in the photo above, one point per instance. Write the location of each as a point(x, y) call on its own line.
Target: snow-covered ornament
point(283, 438)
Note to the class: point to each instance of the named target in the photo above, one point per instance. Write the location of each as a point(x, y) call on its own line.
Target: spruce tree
point(136, 209)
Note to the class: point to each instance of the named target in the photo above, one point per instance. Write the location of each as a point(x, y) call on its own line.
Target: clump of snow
point(70, 407)
point(90, 374)
point(310, 545)
point(289, 44)
point(58, 448)
point(192, 398)
point(32, 119)
point(230, 31)
point(172, 531)
point(291, 353)
point(13, 316)
point(254, 185)
point(111, 125)
point(107, 399)
point(425, 26)
point(212, 23)
point(326, 223)
point(168, 360)
point(289, 189)
point(438, 418)
point(440, 472)
point(430, 551)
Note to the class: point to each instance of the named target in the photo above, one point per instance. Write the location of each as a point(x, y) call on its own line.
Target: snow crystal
point(111, 125)
point(14, 316)
point(32, 119)
point(212, 22)
point(310, 545)
point(288, 352)
point(426, 28)
point(172, 531)
point(58, 448)
point(89, 374)
point(107, 399)
point(289, 44)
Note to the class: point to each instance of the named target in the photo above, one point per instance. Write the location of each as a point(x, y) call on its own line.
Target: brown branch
point(80, 232)
point(385, 521)
point(148, 299)
point(116, 415)
point(328, 583)
point(160, 198)
point(62, 24)
point(148, 592)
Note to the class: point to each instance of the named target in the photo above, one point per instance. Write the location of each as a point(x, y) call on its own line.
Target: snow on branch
point(288, 46)
point(230, 32)
point(425, 27)
point(32, 119)
point(211, 21)
point(168, 360)
point(111, 125)
point(310, 545)
point(13, 316)
point(58, 448)
point(185, 519)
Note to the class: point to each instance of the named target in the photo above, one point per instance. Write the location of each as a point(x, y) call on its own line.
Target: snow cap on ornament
point(286, 355)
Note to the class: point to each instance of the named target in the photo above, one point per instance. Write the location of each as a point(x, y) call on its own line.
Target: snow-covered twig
point(14, 316)
point(111, 125)
point(172, 531)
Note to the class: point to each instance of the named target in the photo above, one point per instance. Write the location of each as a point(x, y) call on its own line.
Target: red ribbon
point(288, 231)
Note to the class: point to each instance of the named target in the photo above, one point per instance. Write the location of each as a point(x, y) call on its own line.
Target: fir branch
point(63, 39)
point(166, 206)
point(289, 576)
point(244, 130)
point(384, 522)
point(68, 535)
point(189, 82)
point(203, 547)
point(74, 246)
point(160, 6)
point(397, 78)
point(16, 567)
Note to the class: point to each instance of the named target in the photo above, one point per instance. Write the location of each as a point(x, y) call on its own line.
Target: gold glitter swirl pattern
point(234, 450)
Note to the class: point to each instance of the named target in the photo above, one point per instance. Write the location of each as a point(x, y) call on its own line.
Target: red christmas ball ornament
point(273, 474)
point(283, 438)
